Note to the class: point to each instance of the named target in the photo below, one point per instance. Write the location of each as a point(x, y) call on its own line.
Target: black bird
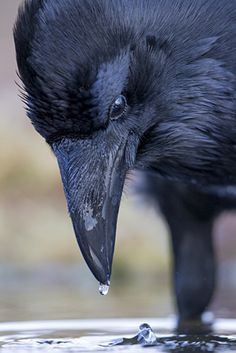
point(116, 85)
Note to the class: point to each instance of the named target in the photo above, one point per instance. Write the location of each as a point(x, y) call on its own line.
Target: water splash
point(104, 288)
point(145, 337)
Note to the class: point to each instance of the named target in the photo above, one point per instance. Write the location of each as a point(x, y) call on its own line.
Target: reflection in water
point(106, 335)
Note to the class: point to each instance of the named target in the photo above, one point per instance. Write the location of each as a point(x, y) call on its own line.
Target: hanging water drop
point(104, 288)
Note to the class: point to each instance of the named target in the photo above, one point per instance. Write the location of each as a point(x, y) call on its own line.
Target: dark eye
point(118, 107)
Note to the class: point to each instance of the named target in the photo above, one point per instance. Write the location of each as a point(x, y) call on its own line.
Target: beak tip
point(102, 275)
point(91, 242)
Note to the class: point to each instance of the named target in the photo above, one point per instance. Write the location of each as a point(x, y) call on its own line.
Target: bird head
point(118, 85)
point(88, 86)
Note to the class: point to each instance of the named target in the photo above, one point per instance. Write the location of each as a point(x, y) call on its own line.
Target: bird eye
point(118, 107)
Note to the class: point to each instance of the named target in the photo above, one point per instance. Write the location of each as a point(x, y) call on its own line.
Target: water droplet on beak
point(104, 288)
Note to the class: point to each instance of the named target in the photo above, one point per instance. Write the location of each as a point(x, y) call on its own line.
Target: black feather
point(173, 59)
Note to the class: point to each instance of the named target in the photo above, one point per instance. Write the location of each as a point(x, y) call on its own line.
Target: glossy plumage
point(174, 61)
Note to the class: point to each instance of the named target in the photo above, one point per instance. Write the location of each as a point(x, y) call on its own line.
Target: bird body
point(139, 84)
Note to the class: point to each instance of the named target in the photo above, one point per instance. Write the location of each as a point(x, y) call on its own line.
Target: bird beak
point(93, 173)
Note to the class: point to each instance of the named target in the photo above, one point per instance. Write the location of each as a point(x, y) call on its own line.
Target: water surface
point(104, 335)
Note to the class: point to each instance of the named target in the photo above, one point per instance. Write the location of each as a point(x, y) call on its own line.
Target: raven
point(149, 85)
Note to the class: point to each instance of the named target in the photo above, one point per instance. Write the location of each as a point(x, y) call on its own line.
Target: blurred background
point(42, 274)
